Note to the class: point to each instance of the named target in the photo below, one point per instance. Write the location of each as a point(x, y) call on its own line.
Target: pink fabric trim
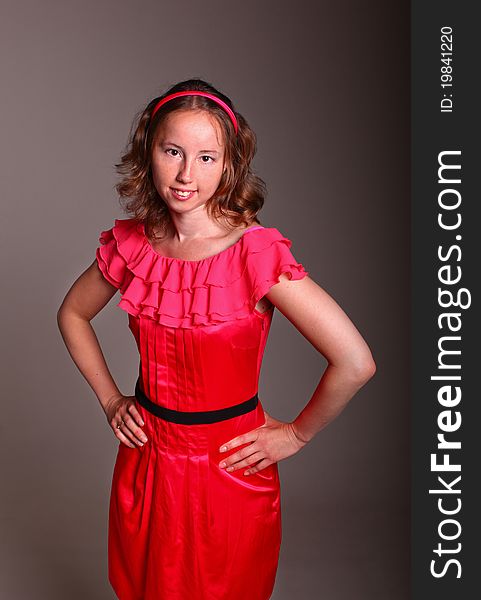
point(254, 227)
point(177, 293)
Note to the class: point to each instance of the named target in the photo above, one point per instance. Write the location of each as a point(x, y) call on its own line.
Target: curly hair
point(240, 194)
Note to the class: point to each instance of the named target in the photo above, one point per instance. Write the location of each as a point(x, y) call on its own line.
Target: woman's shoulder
point(123, 236)
point(259, 237)
point(119, 247)
point(269, 253)
point(123, 227)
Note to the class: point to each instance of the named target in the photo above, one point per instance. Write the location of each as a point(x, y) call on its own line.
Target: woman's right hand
point(121, 410)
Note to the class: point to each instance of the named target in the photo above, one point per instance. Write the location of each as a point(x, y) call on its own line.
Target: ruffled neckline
point(232, 247)
point(183, 293)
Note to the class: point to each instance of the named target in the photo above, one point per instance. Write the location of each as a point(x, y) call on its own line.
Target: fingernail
point(222, 465)
point(246, 473)
point(223, 448)
point(229, 468)
point(141, 422)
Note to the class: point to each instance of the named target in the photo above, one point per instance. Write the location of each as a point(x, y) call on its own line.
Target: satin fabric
point(181, 527)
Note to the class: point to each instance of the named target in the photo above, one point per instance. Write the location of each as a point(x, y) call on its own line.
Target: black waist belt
point(194, 417)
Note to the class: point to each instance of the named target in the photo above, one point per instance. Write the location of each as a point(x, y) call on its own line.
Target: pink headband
point(198, 93)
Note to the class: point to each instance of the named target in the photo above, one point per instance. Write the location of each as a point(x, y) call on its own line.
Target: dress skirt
point(181, 527)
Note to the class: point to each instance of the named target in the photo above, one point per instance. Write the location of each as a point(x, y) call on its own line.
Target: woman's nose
point(185, 172)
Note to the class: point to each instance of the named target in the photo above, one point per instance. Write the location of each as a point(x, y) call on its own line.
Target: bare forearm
point(331, 395)
point(84, 348)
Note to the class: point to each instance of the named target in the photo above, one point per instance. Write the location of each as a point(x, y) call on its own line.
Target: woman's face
point(188, 155)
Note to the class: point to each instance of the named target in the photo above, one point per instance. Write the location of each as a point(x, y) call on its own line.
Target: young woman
point(195, 502)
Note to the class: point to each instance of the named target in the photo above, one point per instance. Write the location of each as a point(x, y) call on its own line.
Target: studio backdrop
point(326, 89)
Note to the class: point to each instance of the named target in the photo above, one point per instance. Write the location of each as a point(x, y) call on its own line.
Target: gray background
point(326, 88)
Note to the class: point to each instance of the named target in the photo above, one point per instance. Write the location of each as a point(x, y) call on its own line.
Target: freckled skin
point(186, 165)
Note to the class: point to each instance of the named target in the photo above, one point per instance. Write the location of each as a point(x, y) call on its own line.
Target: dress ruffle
point(182, 293)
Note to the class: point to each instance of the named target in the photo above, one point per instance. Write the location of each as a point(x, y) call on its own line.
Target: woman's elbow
point(360, 367)
point(65, 314)
point(62, 316)
point(365, 369)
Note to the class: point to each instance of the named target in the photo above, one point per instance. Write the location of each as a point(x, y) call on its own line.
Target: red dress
point(180, 527)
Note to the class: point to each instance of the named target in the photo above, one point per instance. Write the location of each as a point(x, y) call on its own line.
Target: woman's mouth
point(182, 195)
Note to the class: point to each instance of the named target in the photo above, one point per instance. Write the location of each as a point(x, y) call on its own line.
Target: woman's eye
point(206, 158)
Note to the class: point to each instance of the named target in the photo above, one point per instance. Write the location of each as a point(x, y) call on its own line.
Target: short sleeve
point(270, 260)
point(111, 263)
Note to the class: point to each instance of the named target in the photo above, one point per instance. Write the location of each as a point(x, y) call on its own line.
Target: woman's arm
point(327, 327)
point(85, 299)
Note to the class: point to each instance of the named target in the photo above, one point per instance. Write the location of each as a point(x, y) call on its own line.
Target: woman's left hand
point(272, 442)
